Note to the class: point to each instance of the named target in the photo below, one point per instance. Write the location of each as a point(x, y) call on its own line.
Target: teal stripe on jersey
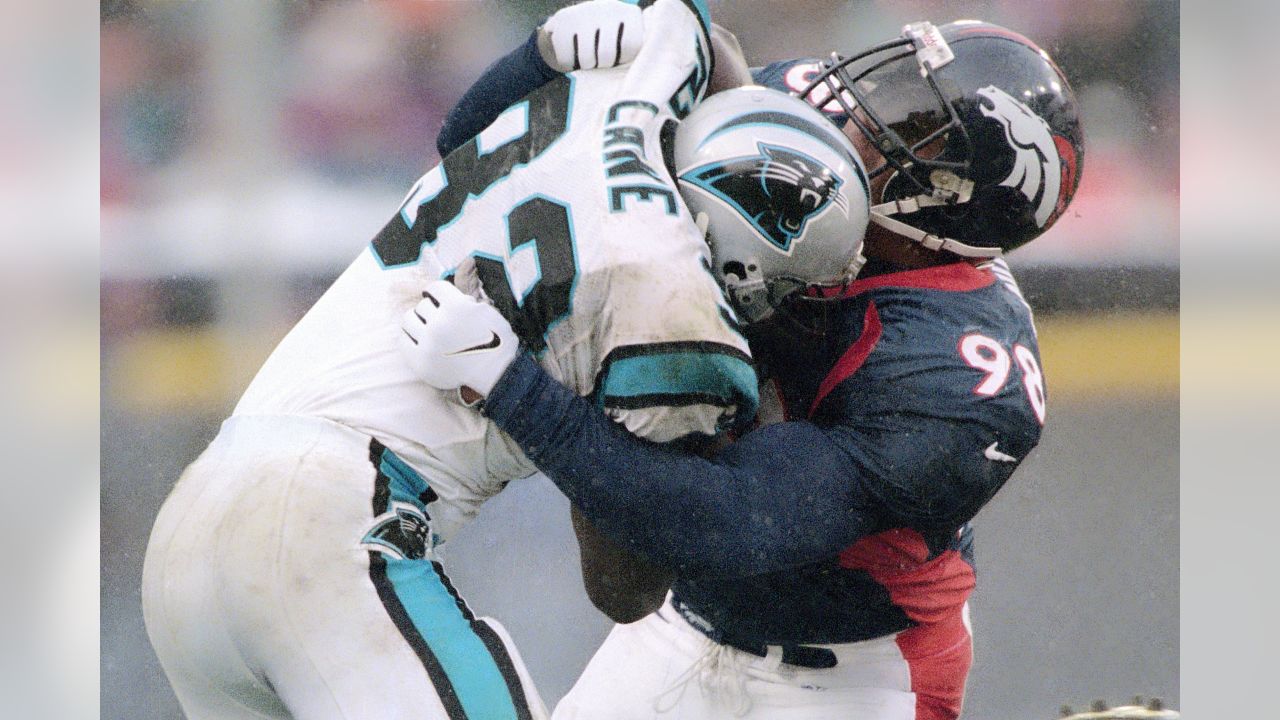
point(698, 6)
point(699, 376)
point(478, 682)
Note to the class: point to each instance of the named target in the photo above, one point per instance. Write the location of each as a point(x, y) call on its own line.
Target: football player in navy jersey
point(823, 563)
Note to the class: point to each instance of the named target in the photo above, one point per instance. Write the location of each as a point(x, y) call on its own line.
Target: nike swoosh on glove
point(593, 34)
point(451, 339)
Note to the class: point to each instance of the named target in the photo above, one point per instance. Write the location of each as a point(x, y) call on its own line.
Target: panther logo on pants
point(400, 533)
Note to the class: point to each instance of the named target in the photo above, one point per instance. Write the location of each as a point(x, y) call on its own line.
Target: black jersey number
point(440, 196)
point(545, 224)
point(469, 171)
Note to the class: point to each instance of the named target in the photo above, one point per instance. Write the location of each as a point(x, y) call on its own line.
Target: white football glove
point(451, 339)
point(593, 34)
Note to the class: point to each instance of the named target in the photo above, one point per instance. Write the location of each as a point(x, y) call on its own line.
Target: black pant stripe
point(387, 593)
point(505, 666)
point(382, 483)
point(391, 602)
point(453, 593)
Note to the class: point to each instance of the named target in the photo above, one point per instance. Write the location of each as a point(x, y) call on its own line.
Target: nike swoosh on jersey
point(993, 454)
point(494, 342)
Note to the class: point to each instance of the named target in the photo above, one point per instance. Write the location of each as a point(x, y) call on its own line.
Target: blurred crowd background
point(251, 148)
point(271, 133)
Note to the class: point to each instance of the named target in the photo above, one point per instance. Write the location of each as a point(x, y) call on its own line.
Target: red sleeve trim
point(954, 277)
point(853, 358)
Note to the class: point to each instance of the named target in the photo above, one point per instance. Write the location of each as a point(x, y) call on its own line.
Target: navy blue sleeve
point(732, 515)
point(503, 83)
point(792, 76)
point(924, 472)
point(768, 76)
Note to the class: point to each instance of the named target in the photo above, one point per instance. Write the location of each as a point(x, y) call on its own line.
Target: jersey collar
point(954, 277)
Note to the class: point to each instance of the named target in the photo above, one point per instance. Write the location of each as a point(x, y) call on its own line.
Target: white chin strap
point(881, 215)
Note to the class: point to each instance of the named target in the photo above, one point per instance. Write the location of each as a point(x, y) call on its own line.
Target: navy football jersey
point(930, 381)
point(919, 400)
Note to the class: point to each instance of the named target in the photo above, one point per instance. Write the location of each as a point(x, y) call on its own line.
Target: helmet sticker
point(1037, 169)
point(932, 50)
point(777, 191)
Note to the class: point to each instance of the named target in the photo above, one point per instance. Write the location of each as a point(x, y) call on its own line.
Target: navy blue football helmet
point(977, 126)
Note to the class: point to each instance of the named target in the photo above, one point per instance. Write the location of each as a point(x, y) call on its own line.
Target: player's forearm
point(621, 584)
point(731, 516)
point(503, 83)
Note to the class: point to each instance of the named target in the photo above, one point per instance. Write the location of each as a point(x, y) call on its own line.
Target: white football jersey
point(561, 212)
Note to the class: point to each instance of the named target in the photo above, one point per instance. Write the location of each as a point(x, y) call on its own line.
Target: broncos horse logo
point(1037, 169)
point(778, 191)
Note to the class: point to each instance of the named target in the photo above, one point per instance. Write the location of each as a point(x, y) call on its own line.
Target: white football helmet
point(781, 191)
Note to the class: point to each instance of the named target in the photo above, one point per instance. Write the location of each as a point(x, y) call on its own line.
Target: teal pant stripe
point(406, 485)
point(470, 667)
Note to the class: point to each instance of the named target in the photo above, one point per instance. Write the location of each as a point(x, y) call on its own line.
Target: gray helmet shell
point(781, 191)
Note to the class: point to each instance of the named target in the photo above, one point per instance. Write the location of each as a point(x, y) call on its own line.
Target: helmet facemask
point(894, 97)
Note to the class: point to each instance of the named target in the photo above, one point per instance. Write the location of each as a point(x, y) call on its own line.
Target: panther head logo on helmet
point(778, 191)
point(760, 171)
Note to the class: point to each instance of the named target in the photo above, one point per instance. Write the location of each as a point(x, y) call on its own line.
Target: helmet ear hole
point(734, 268)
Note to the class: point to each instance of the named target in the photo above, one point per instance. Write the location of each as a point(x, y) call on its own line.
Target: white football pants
point(290, 575)
point(662, 668)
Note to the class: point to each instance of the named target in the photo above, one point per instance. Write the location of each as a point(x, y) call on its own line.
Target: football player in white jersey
point(295, 571)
